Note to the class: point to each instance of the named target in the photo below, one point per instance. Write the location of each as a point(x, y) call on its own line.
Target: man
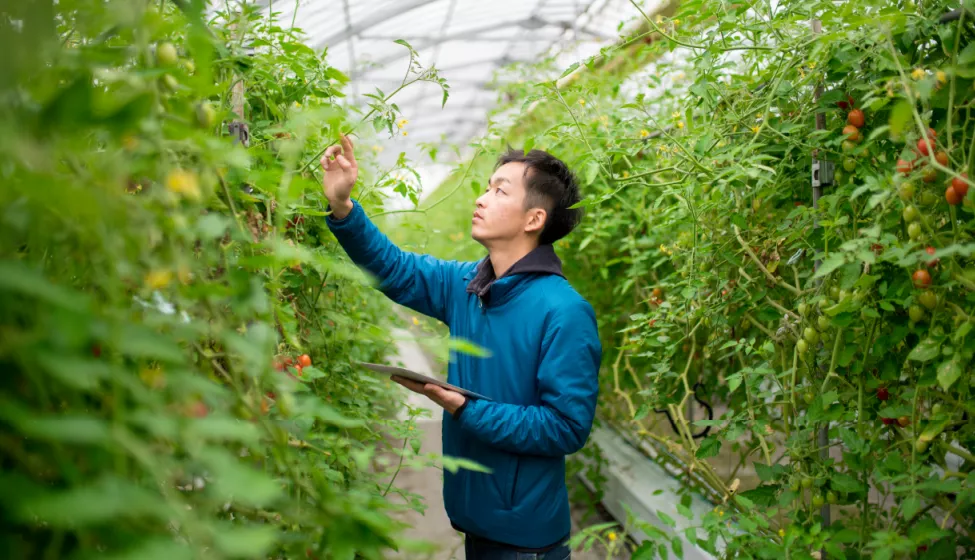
point(541, 375)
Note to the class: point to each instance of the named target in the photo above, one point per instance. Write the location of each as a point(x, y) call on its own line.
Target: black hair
point(549, 184)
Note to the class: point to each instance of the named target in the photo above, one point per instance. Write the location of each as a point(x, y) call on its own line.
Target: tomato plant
point(695, 156)
point(152, 295)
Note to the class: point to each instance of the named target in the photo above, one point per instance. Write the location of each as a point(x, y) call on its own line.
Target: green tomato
point(843, 295)
point(910, 214)
point(906, 191)
point(838, 177)
point(824, 303)
point(802, 346)
point(914, 230)
point(834, 292)
point(849, 163)
point(848, 147)
point(817, 500)
point(928, 299)
point(928, 198)
point(809, 397)
point(807, 481)
point(794, 485)
point(205, 115)
point(937, 409)
point(811, 336)
point(170, 82)
point(822, 322)
point(916, 312)
point(803, 308)
point(831, 497)
point(921, 446)
point(166, 54)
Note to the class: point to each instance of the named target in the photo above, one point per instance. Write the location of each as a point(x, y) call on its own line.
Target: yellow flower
point(675, 114)
point(183, 183)
point(405, 133)
point(781, 532)
point(756, 128)
point(409, 428)
point(626, 174)
point(759, 116)
point(811, 64)
point(582, 102)
point(680, 124)
point(941, 77)
point(611, 536)
point(676, 22)
point(644, 133)
point(158, 279)
point(416, 321)
point(918, 73)
point(720, 513)
point(402, 123)
point(802, 73)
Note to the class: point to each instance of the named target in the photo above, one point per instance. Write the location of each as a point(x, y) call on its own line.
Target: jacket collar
point(541, 260)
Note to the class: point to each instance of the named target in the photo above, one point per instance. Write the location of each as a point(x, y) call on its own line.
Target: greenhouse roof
point(466, 40)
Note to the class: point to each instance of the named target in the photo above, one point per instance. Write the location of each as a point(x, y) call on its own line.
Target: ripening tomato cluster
point(957, 189)
point(285, 363)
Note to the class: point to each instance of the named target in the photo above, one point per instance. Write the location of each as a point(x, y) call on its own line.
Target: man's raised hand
point(340, 172)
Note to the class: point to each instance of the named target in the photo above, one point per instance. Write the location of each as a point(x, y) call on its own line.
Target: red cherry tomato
point(904, 166)
point(952, 196)
point(883, 394)
point(923, 147)
point(304, 360)
point(942, 158)
point(960, 186)
point(922, 278)
point(856, 118)
point(852, 133)
point(887, 421)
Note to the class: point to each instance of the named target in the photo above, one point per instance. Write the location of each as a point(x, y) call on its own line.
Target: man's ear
point(536, 220)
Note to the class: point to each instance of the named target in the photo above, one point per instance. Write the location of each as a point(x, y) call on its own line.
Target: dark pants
point(477, 549)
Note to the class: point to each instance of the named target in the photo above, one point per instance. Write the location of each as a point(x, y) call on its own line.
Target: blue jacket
point(541, 378)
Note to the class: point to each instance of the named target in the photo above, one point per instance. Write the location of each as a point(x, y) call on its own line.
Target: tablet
point(419, 377)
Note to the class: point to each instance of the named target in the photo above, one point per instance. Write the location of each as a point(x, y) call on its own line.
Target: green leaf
point(949, 372)
point(900, 117)
point(245, 542)
point(452, 464)
point(710, 447)
point(845, 483)
point(69, 428)
point(223, 428)
point(465, 346)
point(910, 506)
point(99, 502)
point(139, 342)
point(569, 70)
point(835, 261)
point(642, 412)
point(76, 372)
point(18, 277)
point(668, 520)
point(231, 480)
point(157, 548)
point(926, 350)
point(734, 381)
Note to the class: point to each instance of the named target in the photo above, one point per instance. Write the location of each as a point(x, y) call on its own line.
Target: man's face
point(500, 212)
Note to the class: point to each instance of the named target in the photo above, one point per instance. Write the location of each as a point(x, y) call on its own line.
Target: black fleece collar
point(541, 260)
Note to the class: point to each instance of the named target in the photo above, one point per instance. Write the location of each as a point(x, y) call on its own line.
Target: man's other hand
point(449, 400)
point(340, 172)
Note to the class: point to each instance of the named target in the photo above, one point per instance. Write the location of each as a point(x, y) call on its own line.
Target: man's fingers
point(343, 163)
point(348, 148)
point(332, 150)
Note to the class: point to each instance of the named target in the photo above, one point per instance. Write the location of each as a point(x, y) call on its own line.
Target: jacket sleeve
point(567, 384)
point(420, 282)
